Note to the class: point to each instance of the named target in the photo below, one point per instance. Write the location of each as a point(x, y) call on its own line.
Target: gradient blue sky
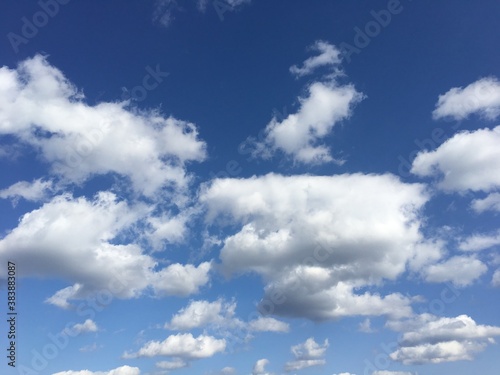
point(169, 166)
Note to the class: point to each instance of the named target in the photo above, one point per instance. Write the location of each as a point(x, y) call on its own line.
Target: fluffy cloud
point(31, 191)
point(467, 161)
point(307, 354)
point(259, 367)
point(171, 365)
point(202, 313)
point(328, 55)
point(314, 239)
point(123, 370)
point(41, 108)
point(490, 203)
point(183, 346)
point(461, 270)
point(220, 315)
point(479, 242)
point(481, 97)
point(85, 327)
point(431, 339)
point(72, 239)
point(326, 104)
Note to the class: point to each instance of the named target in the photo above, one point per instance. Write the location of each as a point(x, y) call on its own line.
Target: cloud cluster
point(307, 354)
point(42, 109)
point(314, 239)
point(327, 103)
point(73, 239)
point(259, 367)
point(432, 339)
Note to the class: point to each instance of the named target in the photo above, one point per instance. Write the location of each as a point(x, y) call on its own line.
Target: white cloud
point(171, 365)
point(307, 354)
point(490, 203)
point(460, 270)
point(259, 367)
point(183, 346)
point(481, 97)
point(366, 326)
point(31, 191)
point(326, 104)
point(467, 161)
point(123, 370)
point(328, 55)
point(72, 239)
point(202, 313)
point(43, 109)
point(495, 281)
point(88, 326)
point(267, 324)
point(297, 136)
point(431, 339)
point(315, 239)
point(479, 242)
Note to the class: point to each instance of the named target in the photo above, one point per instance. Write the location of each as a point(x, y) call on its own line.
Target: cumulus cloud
point(72, 239)
point(123, 370)
point(31, 191)
point(460, 270)
point(41, 108)
point(307, 354)
point(259, 367)
point(478, 242)
point(220, 316)
point(88, 326)
point(202, 313)
point(171, 365)
point(490, 203)
point(327, 103)
point(183, 346)
point(315, 239)
point(328, 55)
point(470, 160)
point(431, 339)
point(481, 97)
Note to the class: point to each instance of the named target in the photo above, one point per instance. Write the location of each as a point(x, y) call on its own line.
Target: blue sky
point(250, 187)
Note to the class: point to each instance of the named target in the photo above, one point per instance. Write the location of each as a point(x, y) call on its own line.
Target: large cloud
point(40, 107)
point(482, 97)
point(73, 239)
point(431, 339)
point(314, 239)
point(467, 161)
point(327, 103)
